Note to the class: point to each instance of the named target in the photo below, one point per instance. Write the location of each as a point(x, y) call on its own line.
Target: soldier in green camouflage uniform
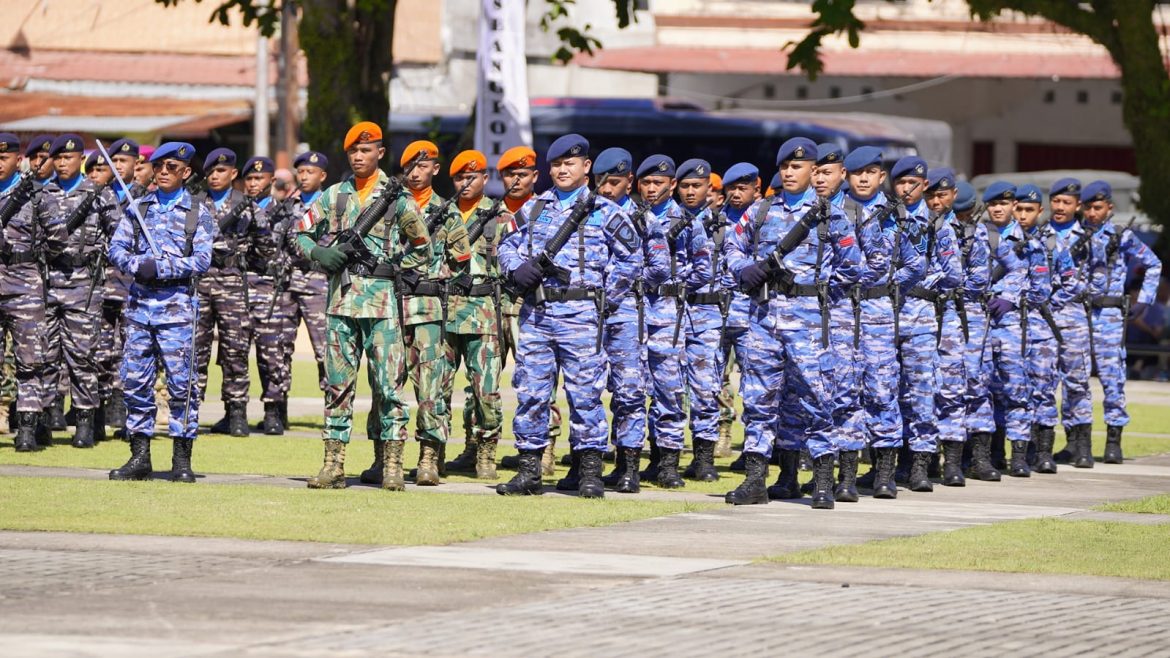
point(363, 317)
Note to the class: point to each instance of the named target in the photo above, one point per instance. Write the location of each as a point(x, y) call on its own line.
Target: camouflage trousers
point(223, 315)
point(845, 380)
point(109, 348)
point(268, 334)
point(1003, 367)
point(950, 379)
point(1072, 372)
point(307, 299)
point(346, 340)
point(626, 384)
point(918, 353)
point(145, 348)
point(480, 355)
point(511, 330)
point(704, 368)
point(7, 370)
point(427, 365)
point(666, 387)
point(731, 346)
point(72, 321)
point(1111, 368)
point(22, 319)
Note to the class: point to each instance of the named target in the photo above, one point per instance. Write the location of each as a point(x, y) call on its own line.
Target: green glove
point(332, 259)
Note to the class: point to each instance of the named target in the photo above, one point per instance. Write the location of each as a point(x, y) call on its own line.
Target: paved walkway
point(685, 585)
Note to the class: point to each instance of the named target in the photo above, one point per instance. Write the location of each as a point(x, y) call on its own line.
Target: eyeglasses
point(172, 166)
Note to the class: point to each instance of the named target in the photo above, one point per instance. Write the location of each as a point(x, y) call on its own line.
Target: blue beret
point(741, 172)
point(775, 182)
point(694, 168)
point(613, 161)
point(175, 151)
point(124, 146)
point(910, 165)
point(217, 157)
point(1098, 190)
point(1070, 186)
point(940, 179)
point(656, 165)
point(862, 157)
point(568, 146)
point(9, 143)
point(312, 159)
point(94, 159)
point(38, 144)
point(999, 191)
point(829, 153)
point(259, 164)
point(964, 196)
point(797, 148)
point(1029, 193)
point(67, 143)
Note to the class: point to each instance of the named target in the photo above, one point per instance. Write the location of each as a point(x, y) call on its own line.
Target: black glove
point(752, 277)
point(1137, 310)
point(147, 271)
point(331, 259)
point(999, 307)
point(528, 275)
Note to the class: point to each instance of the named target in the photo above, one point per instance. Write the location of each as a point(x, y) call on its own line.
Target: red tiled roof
point(860, 63)
point(166, 68)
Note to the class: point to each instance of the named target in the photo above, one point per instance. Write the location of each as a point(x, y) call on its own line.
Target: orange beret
point(468, 161)
point(716, 181)
point(414, 148)
point(517, 156)
point(362, 132)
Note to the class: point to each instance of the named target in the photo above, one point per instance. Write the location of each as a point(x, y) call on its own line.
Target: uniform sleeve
point(913, 265)
point(109, 213)
point(122, 252)
point(1067, 283)
point(946, 254)
point(655, 254)
point(625, 257)
point(1136, 251)
point(737, 244)
point(874, 248)
point(978, 272)
point(52, 222)
point(1015, 278)
point(262, 232)
point(308, 238)
point(700, 248)
point(1039, 274)
point(511, 252)
point(848, 261)
point(181, 267)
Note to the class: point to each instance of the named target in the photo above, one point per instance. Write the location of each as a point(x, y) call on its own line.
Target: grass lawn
point(1159, 504)
point(1089, 548)
point(359, 516)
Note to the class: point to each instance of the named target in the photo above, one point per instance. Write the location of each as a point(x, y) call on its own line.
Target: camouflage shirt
point(477, 315)
point(36, 225)
point(82, 248)
point(448, 249)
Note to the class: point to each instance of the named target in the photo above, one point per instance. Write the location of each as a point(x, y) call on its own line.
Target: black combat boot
point(787, 486)
point(1084, 456)
point(902, 472)
point(1113, 445)
point(464, 462)
point(99, 424)
point(283, 404)
point(619, 467)
point(1045, 436)
point(56, 416)
point(1019, 466)
point(590, 485)
point(883, 480)
point(953, 464)
point(238, 419)
point(526, 482)
point(138, 467)
point(668, 477)
point(739, 464)
point(753, 490)
point(981, 468)
point(26, 431)
point(846, 491)
point(273, 425)
point(13, 418)
point(919, 479)
point(935, 469)
point(703, 466)
point(1069, 453)
point(572, 479)
point(999, 448)
point(43, 433)
point(83, 435)
point(181, 461)
point(628, 480)
point(822, 495)
point(223, 425)
point(373, 474)
point(115, 410)
point(651, 472)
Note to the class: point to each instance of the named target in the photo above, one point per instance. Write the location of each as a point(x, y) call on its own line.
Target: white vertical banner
point(501, 107)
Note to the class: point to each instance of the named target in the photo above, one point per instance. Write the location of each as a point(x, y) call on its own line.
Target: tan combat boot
point(428, 464)
point(332, 475)
point(723, 445)
point(548, 461)
point(485, 459)
point(392, 479)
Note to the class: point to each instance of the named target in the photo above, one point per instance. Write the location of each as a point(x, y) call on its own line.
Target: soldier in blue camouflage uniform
point(1002, 377)
point(160, 310)
point(1115, 251)
point(560, 324)
point(1068, 256)
point(789, 349)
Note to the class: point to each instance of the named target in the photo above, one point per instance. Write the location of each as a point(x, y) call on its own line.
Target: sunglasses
point(172, 166)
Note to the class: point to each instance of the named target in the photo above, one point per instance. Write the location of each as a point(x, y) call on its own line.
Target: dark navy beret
point(94, 159)
point(259, 164)
point(1098, 190)
point(940, 179)
point(568, 146)
point(219, 156)
point(862, 157)
point(694, 168)
point(1069, 186)
point(910, 165)
point(797, 148)
point(9, 143)
point(829, 153)
point(67, 143)
point(740, 172)
point(775, 182)
point(657, 165)
point(1029, 193)
point(964, 196)
point(38, 144)
point(999, 191)
point(613, 161)
point(124, 146)
point(311, 159)
point(174, 151)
